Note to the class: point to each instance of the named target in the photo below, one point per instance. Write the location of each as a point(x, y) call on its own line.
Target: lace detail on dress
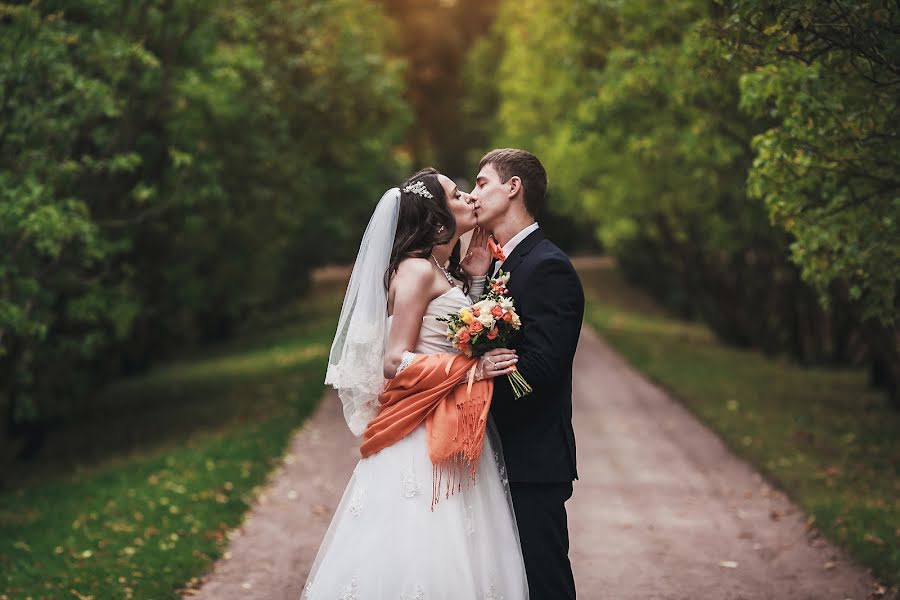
point(351, 592)
point(364, 413)
point(406, 359)
point(420, 594)
point(358, 502)
point(501, 467)
point(492, 594)
point(409, 487)
point(469, 520)
point(307, 593)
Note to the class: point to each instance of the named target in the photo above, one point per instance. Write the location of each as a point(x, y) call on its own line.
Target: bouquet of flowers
point(486, 325)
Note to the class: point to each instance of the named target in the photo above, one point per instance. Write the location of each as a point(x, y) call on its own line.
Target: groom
point(535, 430)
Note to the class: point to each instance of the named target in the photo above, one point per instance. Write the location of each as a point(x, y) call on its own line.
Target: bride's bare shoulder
point(414, 272)
point(414, 279)
point(412, 266)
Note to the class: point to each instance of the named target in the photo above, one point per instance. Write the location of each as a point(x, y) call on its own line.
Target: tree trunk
point(884, 371)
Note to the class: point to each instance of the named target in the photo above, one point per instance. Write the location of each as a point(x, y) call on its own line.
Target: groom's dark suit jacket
point(536, 430)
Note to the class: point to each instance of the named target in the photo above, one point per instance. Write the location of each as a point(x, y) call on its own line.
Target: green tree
point(642, 117)
point(170, 167)
point(434, 38)
point(826, 76)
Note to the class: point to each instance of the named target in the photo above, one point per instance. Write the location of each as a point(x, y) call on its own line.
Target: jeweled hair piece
point(419, 189)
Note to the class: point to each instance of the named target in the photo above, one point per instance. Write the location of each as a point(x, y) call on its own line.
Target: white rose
point(487, 319)
point(483, 306)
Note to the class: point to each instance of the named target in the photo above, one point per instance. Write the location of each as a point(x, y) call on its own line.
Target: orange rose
point(497, 311)
point(476, 312)
point(493, 333)
point(463, 336)
point(507, 317)
point(475, 327)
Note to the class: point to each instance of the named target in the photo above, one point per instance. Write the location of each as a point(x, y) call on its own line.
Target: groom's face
point(490, 196)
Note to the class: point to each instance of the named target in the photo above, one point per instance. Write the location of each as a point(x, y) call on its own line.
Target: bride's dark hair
point(424, 223)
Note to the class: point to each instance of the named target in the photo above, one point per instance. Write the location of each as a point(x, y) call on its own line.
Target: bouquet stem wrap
point(440, 390)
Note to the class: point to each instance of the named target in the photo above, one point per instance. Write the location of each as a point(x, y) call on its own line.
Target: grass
point(822, 435)
point(136, 498)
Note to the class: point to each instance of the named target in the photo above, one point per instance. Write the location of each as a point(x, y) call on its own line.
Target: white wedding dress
point(386, 543)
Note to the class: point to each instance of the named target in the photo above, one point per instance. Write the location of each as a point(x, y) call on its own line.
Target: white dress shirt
point(509, 246)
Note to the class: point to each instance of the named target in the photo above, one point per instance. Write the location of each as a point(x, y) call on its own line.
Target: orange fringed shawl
point(455, 415)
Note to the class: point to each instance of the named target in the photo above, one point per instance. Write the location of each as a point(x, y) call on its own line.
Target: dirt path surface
point(662, 510)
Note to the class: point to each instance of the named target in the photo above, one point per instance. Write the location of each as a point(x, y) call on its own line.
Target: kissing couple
point(460, 492)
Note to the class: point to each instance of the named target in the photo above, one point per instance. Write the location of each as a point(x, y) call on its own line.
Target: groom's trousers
point(544, 534)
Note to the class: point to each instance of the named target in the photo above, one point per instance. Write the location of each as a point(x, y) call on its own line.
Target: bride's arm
point(476, 263)
point(477, 288)
point(412, 288)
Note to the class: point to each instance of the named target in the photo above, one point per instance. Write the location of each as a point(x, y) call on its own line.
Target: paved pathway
point(662, 510)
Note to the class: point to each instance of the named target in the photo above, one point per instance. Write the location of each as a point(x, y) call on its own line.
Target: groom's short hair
point(512, 162)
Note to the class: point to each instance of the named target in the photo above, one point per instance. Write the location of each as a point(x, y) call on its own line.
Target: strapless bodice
point(433, 335)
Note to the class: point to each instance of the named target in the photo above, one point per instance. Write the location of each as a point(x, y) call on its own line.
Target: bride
point(401, 530)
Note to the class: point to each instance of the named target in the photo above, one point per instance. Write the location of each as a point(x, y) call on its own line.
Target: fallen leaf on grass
point(873, 539)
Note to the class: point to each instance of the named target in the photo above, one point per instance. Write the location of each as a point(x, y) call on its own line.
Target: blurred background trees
point(434, 37)
point(171, 168)
point(740, 159)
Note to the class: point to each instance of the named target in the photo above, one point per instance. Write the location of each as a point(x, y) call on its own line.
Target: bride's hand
point(478, 255)
point(500, 361)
